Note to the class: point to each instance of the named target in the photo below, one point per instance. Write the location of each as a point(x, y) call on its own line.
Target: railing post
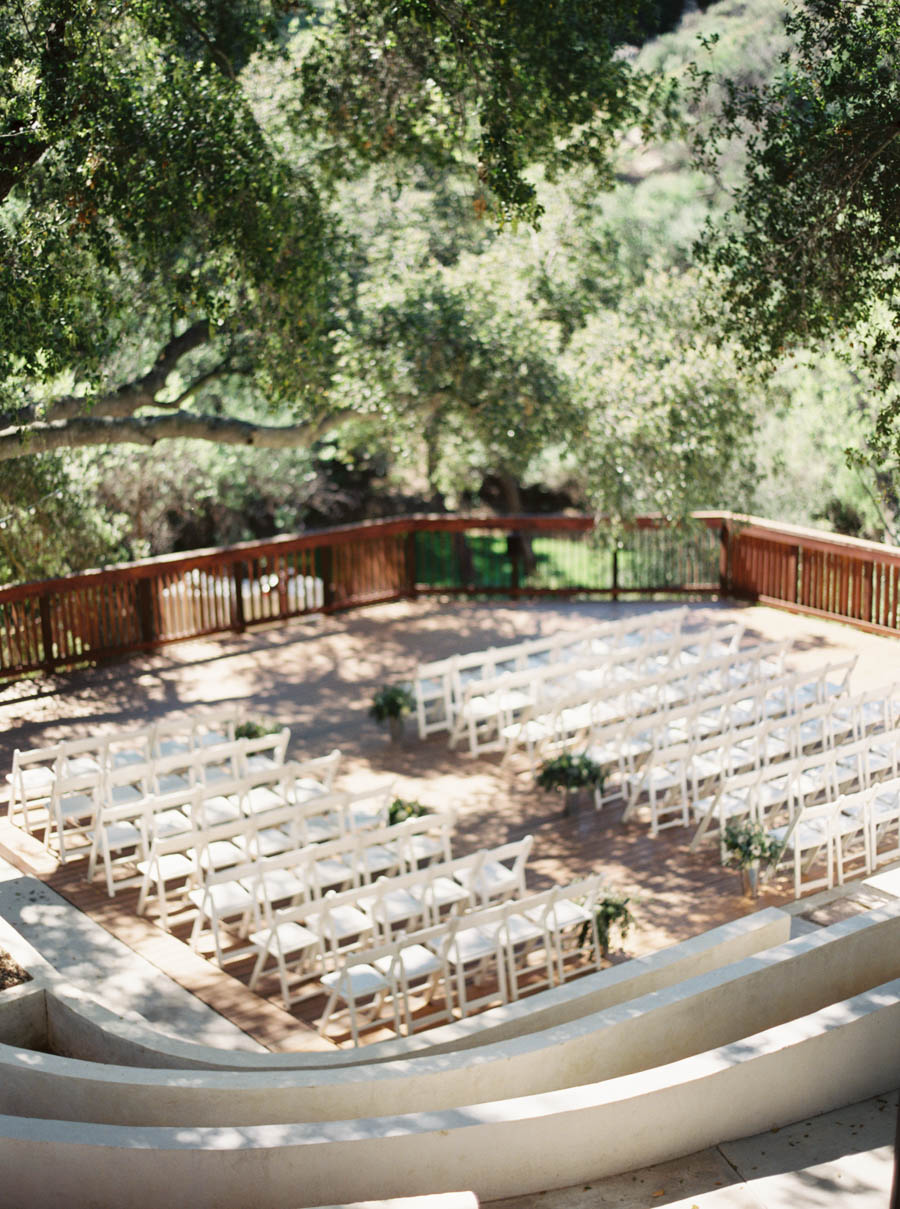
point(725, 584)
point(514, 549)
point(327, 572)
point(615, 571)
point(409, 564)
point(238, 620)
point(46, 631)
point(146, 620)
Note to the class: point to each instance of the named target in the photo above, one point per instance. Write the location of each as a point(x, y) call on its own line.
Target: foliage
point(811, 245)
point(402, 809)
point(672, 419)
point(392, 701)
point(567, 772)
point(254, 728)
point(611, 911)
point(746, 844)
point(140, 195)
point(496, 87)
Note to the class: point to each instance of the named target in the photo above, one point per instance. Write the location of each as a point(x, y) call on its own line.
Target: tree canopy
point(157, 234)
point(810, 246)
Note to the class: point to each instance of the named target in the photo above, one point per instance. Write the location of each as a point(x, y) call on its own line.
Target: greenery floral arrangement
point(256, 730)
point(405, 808)
point(392, 701)
point(612, 911)
point(568, 772)
point(746, 844)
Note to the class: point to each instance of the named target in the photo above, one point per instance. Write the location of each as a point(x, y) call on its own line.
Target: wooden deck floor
point(318, 679)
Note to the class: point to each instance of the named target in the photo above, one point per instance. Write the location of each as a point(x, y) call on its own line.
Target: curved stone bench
point(742, 998)
point(835, 1056)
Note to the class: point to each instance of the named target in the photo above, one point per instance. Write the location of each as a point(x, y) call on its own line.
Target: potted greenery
point(391, 703)
point(749, 846)
point(569, 774)
point(255, 729)
point(611, 911)
point(405, 808)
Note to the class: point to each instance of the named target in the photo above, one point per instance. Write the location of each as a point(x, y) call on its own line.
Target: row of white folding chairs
point(746, 744)
point(622, 732)
point(782, 790)
point(623, 747)
point(296, 924)
point(122, 833)
point(439, 686)
point(76, 800)
point(584, 712)
point(496, 941)
point(618, 740)
point(846, 837)
point(34, 770)
point(491, 709)
point(188, 858)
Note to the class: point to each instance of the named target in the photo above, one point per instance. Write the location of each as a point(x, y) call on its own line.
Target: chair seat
point(220, 810)
point(379, 859)
point(343, 921)
point(567, 914)
point(306, 788)
point(261, 798)
point(227, 897)
point(172, 782)
point(76, 805)
point(493, 879)
point(422, 848)
point(170, 822)
point(359, 980)
point(471, 944)
point(333, 872)
point(36, 782)
point(121, 834)
point(78, 766)
point(272, 841)
point(222, 853)
point(441, 892)
point(284, 883)
point(522, 928)
point(416, 962)
point(395, 904)
point(170, 865)
point(288, 936)
point(805, 834)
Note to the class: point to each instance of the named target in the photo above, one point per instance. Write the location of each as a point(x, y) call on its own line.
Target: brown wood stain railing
point(102, 614)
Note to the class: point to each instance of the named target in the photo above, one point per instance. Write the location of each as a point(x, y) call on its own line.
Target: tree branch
point(86, 431)
point(141, 392)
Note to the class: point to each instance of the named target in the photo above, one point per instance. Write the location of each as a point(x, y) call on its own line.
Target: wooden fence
point(102, 614)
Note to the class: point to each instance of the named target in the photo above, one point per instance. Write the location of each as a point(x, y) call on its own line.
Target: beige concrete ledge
point(835, 1056)
point(717, 1008)
point(81, 1027)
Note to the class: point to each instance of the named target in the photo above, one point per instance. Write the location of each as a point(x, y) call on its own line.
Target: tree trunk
point(512, 501)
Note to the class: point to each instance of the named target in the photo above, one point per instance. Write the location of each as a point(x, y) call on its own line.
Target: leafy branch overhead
point(507, 85)
point(810, 247)
point(152, 205)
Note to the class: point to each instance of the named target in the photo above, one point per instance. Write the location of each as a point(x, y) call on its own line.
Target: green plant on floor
point(405, 808)
point(569, 774)
point(750, 847)
point(612, 911)
point(391, 703)
point(255, 729)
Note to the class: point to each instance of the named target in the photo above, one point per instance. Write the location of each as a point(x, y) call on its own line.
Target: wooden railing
point(805, 571)
point(101, 614)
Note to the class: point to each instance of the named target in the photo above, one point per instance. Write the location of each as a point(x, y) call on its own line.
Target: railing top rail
point(744, 525)
point(314, 538)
